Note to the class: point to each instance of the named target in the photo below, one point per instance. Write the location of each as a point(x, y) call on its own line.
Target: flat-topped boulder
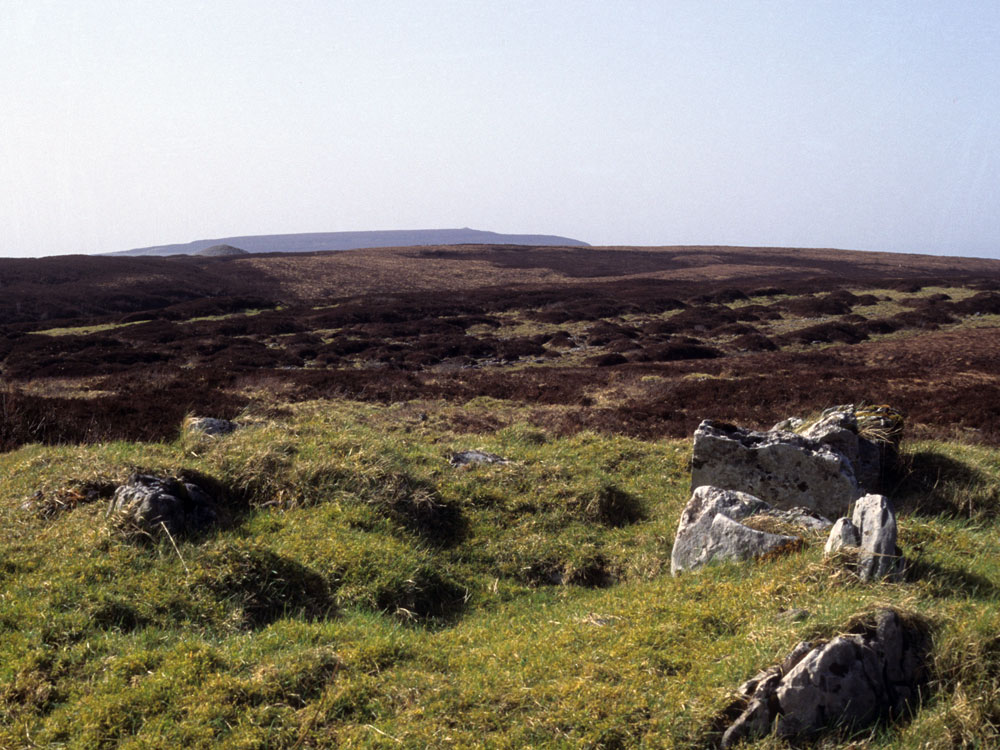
point(784, 469)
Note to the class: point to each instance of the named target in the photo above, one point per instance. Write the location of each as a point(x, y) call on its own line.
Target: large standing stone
point(875, 519)
point(849, 682)
point(149, 504)
point(782, 468)
point(710, 530)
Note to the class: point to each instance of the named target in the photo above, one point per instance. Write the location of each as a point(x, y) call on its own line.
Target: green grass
point(102, 327)
point(362, 592)
point(84, 330)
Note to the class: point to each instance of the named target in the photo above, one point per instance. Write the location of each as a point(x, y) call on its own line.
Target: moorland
point(360, 591)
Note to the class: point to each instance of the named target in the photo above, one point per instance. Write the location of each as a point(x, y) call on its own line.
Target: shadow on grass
point(933, 483)
point(949, 581)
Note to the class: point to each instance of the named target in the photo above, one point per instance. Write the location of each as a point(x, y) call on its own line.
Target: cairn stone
point(784, 469)
point(149, 504)
point(710, 530)
point(850, 682)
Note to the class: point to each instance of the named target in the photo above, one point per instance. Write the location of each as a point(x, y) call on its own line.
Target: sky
point(869, 125)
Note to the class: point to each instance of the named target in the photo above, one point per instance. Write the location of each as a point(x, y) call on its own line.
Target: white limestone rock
point(843, 534)
point(849, 682)
point(783, 469)
point(710, 530)
point(880, 558)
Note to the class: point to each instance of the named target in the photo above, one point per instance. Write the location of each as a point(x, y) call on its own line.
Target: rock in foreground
point(850, 682)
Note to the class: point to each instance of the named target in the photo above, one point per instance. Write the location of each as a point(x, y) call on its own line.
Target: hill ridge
point(305, 242)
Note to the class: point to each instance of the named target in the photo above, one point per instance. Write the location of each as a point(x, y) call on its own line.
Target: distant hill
point(317, 241)
point(221, 251)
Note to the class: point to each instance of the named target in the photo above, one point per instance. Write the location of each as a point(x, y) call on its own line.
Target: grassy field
point(362, 592)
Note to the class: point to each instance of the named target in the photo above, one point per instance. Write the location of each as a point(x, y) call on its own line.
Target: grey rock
point(784, 469)
point(211, 426)
point(869, 437)
point(849, 682)
point(709, 529)
point(838, 681)
point(149, 504)
point(465, 458)
point(839, 430)
point(843, 534)
point(875, 519)
point(758, 716)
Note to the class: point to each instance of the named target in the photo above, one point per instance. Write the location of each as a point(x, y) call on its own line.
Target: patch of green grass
point(84, 330)
point(363, 592)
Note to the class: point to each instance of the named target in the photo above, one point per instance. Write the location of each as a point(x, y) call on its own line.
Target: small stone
point(210, 426)
point(793, 615)
point(843, 534)
point(465, 458)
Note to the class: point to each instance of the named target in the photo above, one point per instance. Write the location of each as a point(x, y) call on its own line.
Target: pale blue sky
point(870, 125)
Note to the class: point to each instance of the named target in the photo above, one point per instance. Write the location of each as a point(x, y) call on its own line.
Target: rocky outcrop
point(849, 682)
point(710, 528)
point(784, 469)
point(148, 505)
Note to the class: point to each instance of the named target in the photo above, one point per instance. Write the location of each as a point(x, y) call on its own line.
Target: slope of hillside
point(319, 241)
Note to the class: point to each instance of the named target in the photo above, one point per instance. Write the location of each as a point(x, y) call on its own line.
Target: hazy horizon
point(865, 126)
